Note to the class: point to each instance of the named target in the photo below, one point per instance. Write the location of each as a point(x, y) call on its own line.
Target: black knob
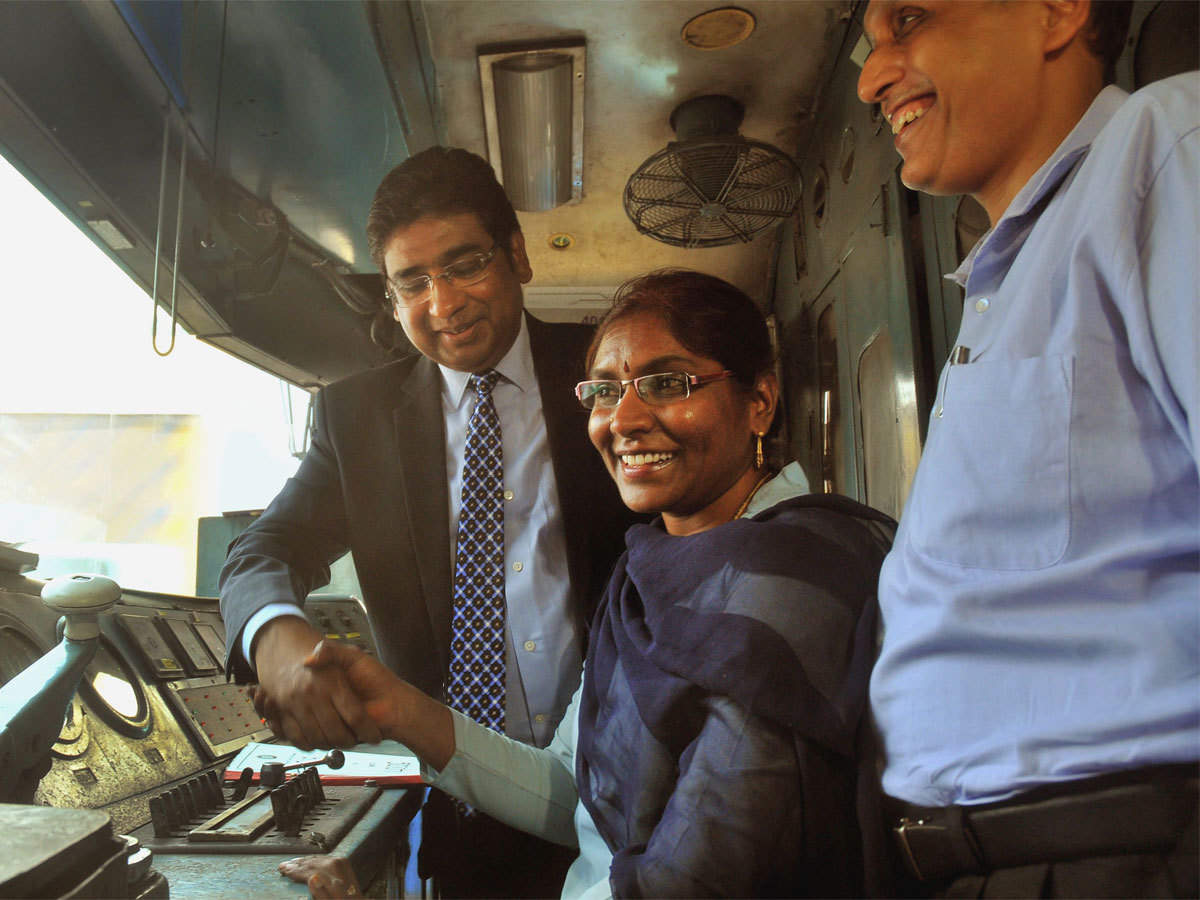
point(272, 774)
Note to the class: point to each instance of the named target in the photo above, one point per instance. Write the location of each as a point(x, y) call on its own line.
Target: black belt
point(1127, 812)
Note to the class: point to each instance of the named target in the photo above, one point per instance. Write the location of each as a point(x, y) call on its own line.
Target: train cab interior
point(224, 155)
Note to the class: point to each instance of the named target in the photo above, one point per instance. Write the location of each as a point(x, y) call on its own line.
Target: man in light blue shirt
point(384, 477)
point(1038, 687)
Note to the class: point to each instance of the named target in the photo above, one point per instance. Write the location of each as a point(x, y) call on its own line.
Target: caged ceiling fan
point(712, 186)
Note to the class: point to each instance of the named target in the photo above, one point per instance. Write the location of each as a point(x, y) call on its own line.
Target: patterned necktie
point(477, 669)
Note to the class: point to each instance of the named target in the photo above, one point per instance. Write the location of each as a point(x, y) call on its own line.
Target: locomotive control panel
point(148, 735)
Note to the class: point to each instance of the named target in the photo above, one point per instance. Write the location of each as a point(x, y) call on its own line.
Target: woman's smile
point(689, 457)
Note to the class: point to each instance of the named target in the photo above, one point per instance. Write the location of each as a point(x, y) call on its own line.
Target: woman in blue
point(710, 749)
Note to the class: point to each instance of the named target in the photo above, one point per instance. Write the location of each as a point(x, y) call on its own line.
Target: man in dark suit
point(384, 476)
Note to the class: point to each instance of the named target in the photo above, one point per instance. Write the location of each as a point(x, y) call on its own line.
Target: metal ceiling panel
point(293, 101)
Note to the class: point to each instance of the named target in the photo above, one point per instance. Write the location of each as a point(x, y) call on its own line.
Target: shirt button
point(531, 646)
point(508, 495)
point(540, 717)
point(518, 566)
point(982, 304)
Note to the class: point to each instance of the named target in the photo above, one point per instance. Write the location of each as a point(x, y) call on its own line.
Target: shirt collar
point(1053, 170)
point(789, 482)
point(515, 367)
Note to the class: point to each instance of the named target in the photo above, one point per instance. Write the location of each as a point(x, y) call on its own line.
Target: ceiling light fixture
point(533, 115)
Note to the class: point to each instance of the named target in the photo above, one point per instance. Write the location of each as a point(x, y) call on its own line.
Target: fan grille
point(711, 192)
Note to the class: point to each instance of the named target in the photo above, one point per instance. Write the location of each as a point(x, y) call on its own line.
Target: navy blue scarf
point(776, 612)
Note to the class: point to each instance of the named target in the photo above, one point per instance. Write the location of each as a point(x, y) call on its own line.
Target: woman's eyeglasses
point(463, 272)
point(664, 387)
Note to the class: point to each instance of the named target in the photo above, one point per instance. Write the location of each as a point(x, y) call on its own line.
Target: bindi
point(626, 367)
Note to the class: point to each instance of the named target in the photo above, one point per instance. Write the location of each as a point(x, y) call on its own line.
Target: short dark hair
point(707, 315)
point(1108, 26)
point(438, 182)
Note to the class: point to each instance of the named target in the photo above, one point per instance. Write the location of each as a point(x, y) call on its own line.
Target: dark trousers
point(476, 856)
point(1126, 834)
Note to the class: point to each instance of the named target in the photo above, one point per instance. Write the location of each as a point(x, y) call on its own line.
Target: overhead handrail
point(285, 390)
point(162, 191)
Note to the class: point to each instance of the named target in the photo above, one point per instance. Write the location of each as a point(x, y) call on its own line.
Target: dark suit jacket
point(374, 482)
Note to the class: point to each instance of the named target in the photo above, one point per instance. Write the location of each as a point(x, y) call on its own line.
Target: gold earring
point(758, 451)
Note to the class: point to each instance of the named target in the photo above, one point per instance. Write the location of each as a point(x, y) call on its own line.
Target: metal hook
point(162, 190)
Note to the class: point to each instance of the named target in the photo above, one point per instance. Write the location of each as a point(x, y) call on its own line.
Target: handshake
point(352, 710)
point(320, 694)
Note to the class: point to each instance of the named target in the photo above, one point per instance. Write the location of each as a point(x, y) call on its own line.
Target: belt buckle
point(902, 831)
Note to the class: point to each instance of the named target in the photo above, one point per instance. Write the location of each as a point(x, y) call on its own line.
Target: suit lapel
point(420, 429)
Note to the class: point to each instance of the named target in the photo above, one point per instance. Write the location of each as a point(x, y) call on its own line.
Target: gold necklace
point(750, 496)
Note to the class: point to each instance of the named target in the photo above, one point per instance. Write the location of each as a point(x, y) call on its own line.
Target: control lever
point(34, 704)
point(272, 774)
point(295, 799)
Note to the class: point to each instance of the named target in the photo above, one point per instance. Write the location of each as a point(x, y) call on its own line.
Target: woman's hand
point(376, 687)
point(400, 711)
point(305, 707)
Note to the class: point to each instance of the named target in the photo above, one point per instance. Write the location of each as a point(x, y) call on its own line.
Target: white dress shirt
point(543, 658)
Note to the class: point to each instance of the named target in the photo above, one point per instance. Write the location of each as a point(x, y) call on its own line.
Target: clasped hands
point(320, 694)
point(329, 695)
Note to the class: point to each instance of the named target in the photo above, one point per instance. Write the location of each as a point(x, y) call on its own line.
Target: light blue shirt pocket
point(996, 473)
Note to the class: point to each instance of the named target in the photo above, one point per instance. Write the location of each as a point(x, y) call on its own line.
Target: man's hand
point(397, 709)
point(307, 707)
point(327, 877)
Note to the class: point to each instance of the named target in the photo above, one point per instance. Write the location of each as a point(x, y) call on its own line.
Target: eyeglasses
point(664, 387)
point(463, 272)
